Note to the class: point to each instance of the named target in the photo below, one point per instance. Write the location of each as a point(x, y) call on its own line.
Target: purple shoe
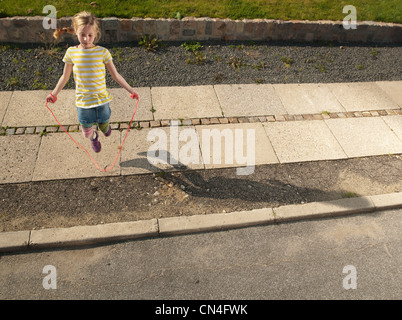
point(109, 132)
point(96, 145)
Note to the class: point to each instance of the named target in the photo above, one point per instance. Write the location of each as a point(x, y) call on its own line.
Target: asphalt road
point(352, 257)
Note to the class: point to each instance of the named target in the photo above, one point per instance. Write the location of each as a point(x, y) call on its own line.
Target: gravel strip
point(29, 67)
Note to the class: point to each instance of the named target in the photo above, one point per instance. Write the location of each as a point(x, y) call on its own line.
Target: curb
point(90, 235)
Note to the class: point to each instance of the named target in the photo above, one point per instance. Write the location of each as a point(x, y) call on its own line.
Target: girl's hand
point(51, 98)
point(134, 95)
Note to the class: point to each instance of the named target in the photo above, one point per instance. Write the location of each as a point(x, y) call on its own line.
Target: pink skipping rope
point(133, 96)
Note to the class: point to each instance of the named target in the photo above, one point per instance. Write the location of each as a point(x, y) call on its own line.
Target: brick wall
point(114, 30)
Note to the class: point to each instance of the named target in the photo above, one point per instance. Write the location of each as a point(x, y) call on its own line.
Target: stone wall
point(115, 30)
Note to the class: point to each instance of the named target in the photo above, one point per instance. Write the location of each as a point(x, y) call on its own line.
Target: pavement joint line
point(140, 124)
point(51, 238)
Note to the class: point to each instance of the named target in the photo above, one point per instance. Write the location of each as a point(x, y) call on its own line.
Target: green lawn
point(371, 10)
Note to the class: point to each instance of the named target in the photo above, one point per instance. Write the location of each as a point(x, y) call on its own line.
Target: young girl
point(88, 61)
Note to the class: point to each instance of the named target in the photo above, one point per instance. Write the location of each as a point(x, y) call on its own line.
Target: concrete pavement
point(183, 128)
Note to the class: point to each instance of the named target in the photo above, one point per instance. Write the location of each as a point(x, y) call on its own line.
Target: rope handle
point(54, 98)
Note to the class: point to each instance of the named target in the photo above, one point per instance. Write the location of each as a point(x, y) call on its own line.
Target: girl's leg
point(87, 130)
point(103, 116)
point(105, 128)
point(87, 117)
point(90, 133)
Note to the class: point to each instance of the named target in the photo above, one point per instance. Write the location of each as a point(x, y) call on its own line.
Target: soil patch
point(66, 203)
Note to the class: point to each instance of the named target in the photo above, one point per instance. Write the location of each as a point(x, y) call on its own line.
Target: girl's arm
point(68, 68)
point(118, 78)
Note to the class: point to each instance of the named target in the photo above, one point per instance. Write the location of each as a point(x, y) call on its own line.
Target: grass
point(371, 10)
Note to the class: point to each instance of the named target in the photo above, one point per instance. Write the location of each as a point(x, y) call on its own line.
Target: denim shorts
point(89, 116)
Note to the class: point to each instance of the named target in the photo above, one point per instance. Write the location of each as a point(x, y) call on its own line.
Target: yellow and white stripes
point(89, 75)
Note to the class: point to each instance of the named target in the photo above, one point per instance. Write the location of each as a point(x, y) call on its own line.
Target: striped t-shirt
point(89, 75)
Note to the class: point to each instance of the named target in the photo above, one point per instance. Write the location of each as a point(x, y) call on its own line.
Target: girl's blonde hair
point(83, 18)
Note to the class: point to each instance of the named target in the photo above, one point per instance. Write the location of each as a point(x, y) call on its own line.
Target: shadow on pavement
point(226, 184)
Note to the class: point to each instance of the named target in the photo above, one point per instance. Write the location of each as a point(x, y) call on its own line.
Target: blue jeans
point(98, 115)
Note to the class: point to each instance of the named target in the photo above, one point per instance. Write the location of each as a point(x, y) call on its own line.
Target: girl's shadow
point(226, 184)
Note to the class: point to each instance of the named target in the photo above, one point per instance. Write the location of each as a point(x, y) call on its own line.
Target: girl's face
point(86, 36)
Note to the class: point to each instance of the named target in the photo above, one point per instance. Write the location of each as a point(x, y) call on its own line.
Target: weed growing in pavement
point(287, 61)
point(252, 45)
point(150, 43)
point(39, 85)
point(117, 54)
point(49, 46)
point(259, 66)
point(236, 62)
point(191, 46)
point(4, 47)
point(349, 195)
point(217, 58)
point(197, 58)
point(218, 77)
point(374, 53)
point(320, 67)
point(13, 82)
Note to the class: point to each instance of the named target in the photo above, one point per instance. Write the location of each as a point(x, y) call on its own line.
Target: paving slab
point(5, 97)
point(123, 106)
point(235, 145)
point(309, 98)
point(185, 102)
point(303, 141)
point(61, 158)
point(362, 96)
point(243, 100)
point(27, 108)
point(17, 157)
point(393, 89)
point(362, 137)
point(395, 123)
point(170, 148)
